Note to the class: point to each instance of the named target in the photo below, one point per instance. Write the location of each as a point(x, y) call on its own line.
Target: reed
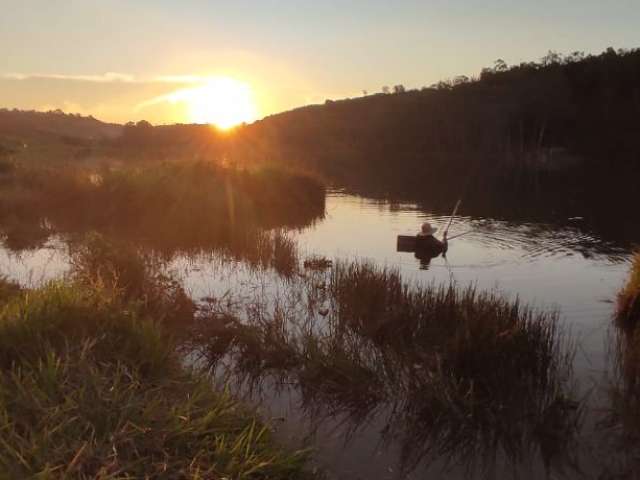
point(621, 424)
point(628, 309)
point(8, 289)
point(132, 275)
point(459, 374)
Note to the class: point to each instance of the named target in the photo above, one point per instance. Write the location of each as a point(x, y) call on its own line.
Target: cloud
point(104, 78)
point(109, 77)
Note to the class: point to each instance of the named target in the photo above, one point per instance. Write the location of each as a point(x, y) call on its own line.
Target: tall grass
point(628, 312)
point(132, 275)
point(622, 422)
point(459, 374)
point(89, 389)
point(8, 289)
point(169, 206)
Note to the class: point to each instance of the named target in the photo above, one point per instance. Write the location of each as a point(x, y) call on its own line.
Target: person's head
point(427, 229)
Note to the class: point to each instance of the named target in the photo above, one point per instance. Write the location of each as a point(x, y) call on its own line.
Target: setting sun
point(220, 101)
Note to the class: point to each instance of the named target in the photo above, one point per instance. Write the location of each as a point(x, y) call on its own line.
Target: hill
point(19, 124)
point(561, 112)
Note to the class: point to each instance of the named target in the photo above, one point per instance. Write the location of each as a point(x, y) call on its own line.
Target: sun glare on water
point(220, 101)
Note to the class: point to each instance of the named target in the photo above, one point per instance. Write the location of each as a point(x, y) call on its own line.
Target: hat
point(427, 229)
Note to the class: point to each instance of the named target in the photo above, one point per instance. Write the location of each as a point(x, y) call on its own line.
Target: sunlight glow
point(220, 101)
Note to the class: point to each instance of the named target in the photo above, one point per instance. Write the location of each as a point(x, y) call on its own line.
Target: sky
point(125, 60)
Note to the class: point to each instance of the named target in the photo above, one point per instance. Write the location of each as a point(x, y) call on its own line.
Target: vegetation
point(8, 289)
point(458, 374)
point(169, 207)
point(628, 314)
point(621, 424)
point(92, 388)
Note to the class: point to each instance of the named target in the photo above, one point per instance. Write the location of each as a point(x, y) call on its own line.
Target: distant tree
point(461, 79)
point(364, 93)
point(576, 56)
point(385, 90)
point(500, 66)
point(551, 58)
point(399, 89)
point(137, 133)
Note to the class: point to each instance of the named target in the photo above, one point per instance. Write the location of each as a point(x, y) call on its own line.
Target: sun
point(220, 101)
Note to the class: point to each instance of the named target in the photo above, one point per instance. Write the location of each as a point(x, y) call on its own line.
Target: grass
point(628, 311)
point(90, 388)
point(621, 424)
point(466, 375)
point(133, 275)
point(171, 207)
point(8, 289)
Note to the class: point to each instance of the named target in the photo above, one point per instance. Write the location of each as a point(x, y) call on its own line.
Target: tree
point(399, 89)
point(385, 90)
point(500, 66)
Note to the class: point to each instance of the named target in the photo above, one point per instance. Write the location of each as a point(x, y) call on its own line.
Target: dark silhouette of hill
point(54, 125)
point(533, 118)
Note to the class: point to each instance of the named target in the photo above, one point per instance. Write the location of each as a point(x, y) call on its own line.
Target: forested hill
point(25, 125)
point(547, 115)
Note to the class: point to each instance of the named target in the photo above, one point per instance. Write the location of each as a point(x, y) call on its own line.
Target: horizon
point(211, 62)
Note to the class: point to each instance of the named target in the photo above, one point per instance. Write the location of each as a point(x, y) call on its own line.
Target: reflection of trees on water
point(459, 376)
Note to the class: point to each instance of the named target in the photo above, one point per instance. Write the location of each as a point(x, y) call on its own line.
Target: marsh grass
point(621, 424)
point(90, 389)
point(459, 374)
point(628, 310)
point(132, 275)
point(8, 289)
point(171, 207)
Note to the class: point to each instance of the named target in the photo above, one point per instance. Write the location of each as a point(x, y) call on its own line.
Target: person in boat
point(429, 245)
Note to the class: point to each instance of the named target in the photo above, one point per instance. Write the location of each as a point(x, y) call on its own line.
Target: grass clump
point(459, 374)
point(8, 289)
point(621, 424)
point(89, 389)
point(628, 312)
point(132, 275)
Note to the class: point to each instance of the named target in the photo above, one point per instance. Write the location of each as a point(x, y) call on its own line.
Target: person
point(429, 245)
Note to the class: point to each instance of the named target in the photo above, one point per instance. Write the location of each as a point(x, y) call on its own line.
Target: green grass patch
point(90, 389)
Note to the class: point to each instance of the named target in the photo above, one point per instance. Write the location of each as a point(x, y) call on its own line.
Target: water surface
point(560, 266)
